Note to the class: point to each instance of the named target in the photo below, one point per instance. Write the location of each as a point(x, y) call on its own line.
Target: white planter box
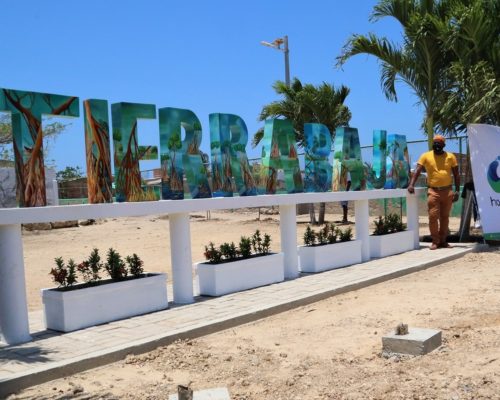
point(393, 243)
point(329, 256)
point(220, 279)
point(67, 311)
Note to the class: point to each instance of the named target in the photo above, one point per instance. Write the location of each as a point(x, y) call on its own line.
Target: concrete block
point(208, 394)
point(418, 341)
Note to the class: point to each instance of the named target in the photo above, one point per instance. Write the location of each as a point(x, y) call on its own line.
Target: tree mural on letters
point(181, 157)
point(128, 152)
point(27, 110)
point(229, 137)
point(99, 176)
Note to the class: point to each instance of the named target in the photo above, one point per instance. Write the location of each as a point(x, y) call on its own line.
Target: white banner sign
point(484, 144)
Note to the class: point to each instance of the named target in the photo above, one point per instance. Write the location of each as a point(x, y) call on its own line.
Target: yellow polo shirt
point(438, 167)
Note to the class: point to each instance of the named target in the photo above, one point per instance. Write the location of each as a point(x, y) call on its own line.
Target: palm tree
point(305, 104)
point(420, 61)
point(473, 37)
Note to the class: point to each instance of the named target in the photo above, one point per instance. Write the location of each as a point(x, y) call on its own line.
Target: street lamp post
point(276, 44)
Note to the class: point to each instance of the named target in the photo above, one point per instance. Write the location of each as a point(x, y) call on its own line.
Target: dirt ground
point(330, 350)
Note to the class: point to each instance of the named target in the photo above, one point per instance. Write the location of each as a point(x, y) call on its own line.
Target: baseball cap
point(440, 138)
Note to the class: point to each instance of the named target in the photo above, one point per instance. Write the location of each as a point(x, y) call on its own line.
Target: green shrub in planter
point(65, 276)
point(329, 234)
point(115, 265)
point(345, 236)
point(245, 247)
point(135, 265)
point(90, 268)
point(390, 224)
point(229, 252)
point(309, 237)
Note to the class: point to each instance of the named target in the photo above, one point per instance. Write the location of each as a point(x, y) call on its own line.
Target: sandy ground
point(328, 350)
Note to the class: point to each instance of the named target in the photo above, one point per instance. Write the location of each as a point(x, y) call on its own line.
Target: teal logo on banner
point(493, 178)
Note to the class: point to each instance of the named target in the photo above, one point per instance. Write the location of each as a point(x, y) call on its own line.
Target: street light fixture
point(276, 44)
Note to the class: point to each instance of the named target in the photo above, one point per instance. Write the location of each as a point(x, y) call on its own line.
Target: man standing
point(345, 203)
point(439, 165)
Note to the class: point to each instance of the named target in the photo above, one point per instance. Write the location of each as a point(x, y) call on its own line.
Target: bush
point(212, 254)
point(245, 247)
point(135, 265)
point(66, 275)
point(327, 235)
point(380, 226)
point(90, 268)
point(229, 252)
point(323, 235)
point(333, 234)
point(309, 237)
point(71, 277)
point(59, 273)
point(115, 265)
point(390, 224)
point(345, 236)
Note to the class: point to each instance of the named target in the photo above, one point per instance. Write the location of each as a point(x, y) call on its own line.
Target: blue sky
point(202, 55)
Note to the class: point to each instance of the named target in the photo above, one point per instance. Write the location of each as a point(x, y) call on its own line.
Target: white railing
point(13, 305)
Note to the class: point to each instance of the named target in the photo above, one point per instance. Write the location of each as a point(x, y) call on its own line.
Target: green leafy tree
point(69, 173)
point(472, 35)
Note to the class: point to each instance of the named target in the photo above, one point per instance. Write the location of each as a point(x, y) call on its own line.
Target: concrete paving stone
point(25, 351)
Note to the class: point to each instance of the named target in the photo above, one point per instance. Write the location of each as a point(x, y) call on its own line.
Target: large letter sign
point(97, 151)
point(347, 159)
point(27, 109)
point(397, 162)
point(279, 152)
point(377, 173)
point(318, 171)
point(228, 140)
point(182, 161)
point(128, 152)
point(179, 155)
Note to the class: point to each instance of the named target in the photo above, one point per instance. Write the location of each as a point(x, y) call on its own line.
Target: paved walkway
point(53, 355)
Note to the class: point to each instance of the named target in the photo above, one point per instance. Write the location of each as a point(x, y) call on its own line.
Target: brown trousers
point(439, 204)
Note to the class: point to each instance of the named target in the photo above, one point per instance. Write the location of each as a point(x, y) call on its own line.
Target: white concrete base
point(81, 308)
point(288, 233)
point(180, 255)
point(329, 256)
point(419, 341)
point(225, 278)
point(393, 243)
point(208, 394)
point(14, 326)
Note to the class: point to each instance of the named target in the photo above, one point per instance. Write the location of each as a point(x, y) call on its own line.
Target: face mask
point(437, 147)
